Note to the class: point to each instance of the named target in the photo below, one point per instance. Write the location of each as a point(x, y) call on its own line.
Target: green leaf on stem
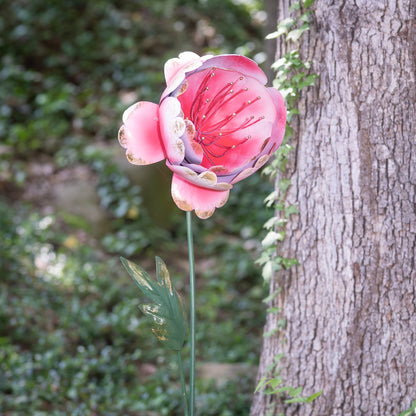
point(167, 310)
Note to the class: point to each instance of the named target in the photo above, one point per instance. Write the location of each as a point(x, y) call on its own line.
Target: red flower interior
point(228, 113)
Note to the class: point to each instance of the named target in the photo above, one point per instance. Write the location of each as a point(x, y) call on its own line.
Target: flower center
point(220, 112)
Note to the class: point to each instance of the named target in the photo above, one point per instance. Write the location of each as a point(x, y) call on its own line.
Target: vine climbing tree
point(343, 320)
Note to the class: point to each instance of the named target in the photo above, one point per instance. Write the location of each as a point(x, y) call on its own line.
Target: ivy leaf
point(296, 34)
point(283, 184)
point(295, 6)
point(288, 263)
point(308, 3)
point(308, 82)
point(281, 63)
point(272, 238)
point(291, 209)
point(271, 199)
point(296, 398)
point(167, 310)
point(312, 397)
point(260, 384)
point(410, 411)
point(274, 222)
point(267, 271)
point(282, 28)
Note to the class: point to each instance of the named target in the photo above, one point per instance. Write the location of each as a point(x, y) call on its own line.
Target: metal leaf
point(166, 309)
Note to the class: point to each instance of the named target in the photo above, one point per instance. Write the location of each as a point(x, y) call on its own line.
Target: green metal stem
point(183, 386)
point(192, 323)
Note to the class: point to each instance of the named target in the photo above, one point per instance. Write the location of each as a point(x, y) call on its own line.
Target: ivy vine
point(292, 76)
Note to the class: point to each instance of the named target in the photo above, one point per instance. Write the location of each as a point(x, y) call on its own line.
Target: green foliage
point(56, 322)
point(292, 76)
point(70, 67)
point(231, 401)
point(72, 338)
point(57, 300)
point(131, 228)
point(167, 310)
point(273, 384)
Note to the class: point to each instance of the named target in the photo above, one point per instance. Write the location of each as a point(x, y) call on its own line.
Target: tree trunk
point(270, 7)
point(350, 306)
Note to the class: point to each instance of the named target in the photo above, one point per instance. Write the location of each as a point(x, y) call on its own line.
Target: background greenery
point(72, 340)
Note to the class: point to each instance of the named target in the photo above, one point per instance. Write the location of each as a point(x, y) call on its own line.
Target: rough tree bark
point(350, 305)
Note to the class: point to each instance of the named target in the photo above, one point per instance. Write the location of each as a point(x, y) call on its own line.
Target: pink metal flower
point(216, 124)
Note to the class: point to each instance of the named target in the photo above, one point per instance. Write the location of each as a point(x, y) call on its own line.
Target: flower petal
point(172, 127)
point(176, 68)
point(261, 161)
point(173, 66)
point(206, 179)
point(188, 197)
point(236, 63)
point(232, 113)
point(194, 167)
point(278, 130)
point(243, 175)
point(139, 134)
point(193, 150)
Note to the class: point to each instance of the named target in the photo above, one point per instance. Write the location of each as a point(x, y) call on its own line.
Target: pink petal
point(139, 134)
point(232, 113)
point(237, 63)
point(193, 150)
point(205, 179)
point(262, 160)
point(175, 65)
point(243, 175)
point(279, 125)
point(188, 197)
point(176, 68)
point(172, 127)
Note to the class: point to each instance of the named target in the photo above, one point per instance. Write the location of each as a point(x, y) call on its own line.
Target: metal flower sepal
point(167, 309)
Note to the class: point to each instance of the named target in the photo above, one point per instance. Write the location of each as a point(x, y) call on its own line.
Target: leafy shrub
point(72, 337)
point(72, 340)
point(64, 63)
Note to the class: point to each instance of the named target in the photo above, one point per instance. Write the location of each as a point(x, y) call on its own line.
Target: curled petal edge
point(204, 201)
point(261, 161)
point(176, 68)
point(236, 63)
point(193, 150)
point(139, 134)
point(172, 127)
point(206, 179)
point(278, 130)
